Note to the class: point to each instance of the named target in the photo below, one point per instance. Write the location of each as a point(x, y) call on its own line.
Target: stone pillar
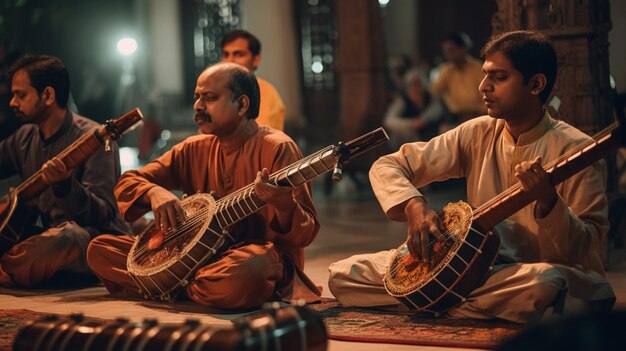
point(579, 30)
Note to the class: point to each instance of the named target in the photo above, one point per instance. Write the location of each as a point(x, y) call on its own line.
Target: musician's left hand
point(54, 171)
point(280, 197)
point(536, 181)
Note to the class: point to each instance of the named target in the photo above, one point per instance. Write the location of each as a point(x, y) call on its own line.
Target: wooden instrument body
point(160, 274)
point(12, 226)
point(13, 215)
point(275, 328)
point(453, 270)
point(446, 281)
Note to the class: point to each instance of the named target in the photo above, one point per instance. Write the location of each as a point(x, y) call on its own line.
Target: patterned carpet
point(354, 324)
point(10, 323)
point(365, 325)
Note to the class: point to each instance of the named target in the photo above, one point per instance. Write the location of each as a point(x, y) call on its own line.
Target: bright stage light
point(126, 46)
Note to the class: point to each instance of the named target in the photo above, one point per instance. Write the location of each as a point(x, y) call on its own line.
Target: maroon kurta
point(204, 163)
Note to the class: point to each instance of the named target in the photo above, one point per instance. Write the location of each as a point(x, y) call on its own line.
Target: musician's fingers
point(410, 243)
point(263, 175)
point(266, 174)
point(434, 230)
point(523, 182)
point(171, 217)
point(180, 214)
point(424, 245)
point(157, 219)
point(523, 176)
point(45, 170)
point(58, 165)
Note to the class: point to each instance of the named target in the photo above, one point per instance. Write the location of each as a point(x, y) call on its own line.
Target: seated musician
point(549, 259)
point(232, 152)
point(80, 203)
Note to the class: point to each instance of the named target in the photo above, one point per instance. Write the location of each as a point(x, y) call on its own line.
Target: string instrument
point(13, 205)
point(458, 263)
point(161, 273)
point(294, 327)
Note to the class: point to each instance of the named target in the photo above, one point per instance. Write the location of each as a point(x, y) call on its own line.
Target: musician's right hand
point(422, 222)
point(54, 171)
point(166, 208)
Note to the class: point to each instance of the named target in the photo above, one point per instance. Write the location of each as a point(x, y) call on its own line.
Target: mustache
point(202, 116)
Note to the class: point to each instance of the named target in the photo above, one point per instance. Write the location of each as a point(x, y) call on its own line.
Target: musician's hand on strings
point(280, 197)
point(54, 171)
point(166, 207)
point(536, 181)
point(422, 222)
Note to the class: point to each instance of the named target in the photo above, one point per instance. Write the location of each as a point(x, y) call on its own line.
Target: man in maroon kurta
point(232, 152)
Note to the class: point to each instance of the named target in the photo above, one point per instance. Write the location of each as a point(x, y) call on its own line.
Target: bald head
point(240, 81)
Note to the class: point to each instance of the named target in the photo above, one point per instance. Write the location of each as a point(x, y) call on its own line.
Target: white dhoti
point(516, 292)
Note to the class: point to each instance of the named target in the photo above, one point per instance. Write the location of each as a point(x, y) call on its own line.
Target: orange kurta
point(204, 163)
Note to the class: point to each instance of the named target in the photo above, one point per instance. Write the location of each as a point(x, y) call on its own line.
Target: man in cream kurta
point(549, 257)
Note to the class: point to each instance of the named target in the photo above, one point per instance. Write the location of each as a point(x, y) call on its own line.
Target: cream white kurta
point(548, 258)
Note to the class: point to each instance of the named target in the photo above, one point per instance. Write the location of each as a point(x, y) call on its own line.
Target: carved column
point(360, 66)
point(361, 72)
point(579, 30)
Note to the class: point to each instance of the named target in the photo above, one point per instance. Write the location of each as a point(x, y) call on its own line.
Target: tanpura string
point(234, 199)
point(400, 264)
point(275, 176)
point(61, 155)
point(449, 233)
point(548, 166)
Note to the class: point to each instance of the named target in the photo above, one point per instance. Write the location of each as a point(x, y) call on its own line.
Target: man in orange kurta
point(232, 152)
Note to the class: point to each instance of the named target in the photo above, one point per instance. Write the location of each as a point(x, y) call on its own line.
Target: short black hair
point(244, 82)
point(45, 71)
point(530, 52)
point(254, 45)
point(459, 39)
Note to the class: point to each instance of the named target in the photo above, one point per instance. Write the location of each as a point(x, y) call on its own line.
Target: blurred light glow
point(127, 46)
point(129, 158)
point(383, 3)
point(317, 67)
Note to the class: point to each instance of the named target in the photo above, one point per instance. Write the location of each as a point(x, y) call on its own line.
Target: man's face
point(237, 51)
point(26, 102)
point(504, 92)
point(216, 112)
point(452, 52)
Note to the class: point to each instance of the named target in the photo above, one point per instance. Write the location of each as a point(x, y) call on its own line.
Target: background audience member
point(457, 81)
point(404, 116)
point(240, 46)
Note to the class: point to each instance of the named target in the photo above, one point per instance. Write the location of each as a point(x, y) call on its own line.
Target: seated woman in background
point(406, 118)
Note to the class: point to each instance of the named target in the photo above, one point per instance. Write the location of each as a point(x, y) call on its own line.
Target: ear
point(244, 105)
point(537, 83)
point(49, 96)
point(256, 61)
